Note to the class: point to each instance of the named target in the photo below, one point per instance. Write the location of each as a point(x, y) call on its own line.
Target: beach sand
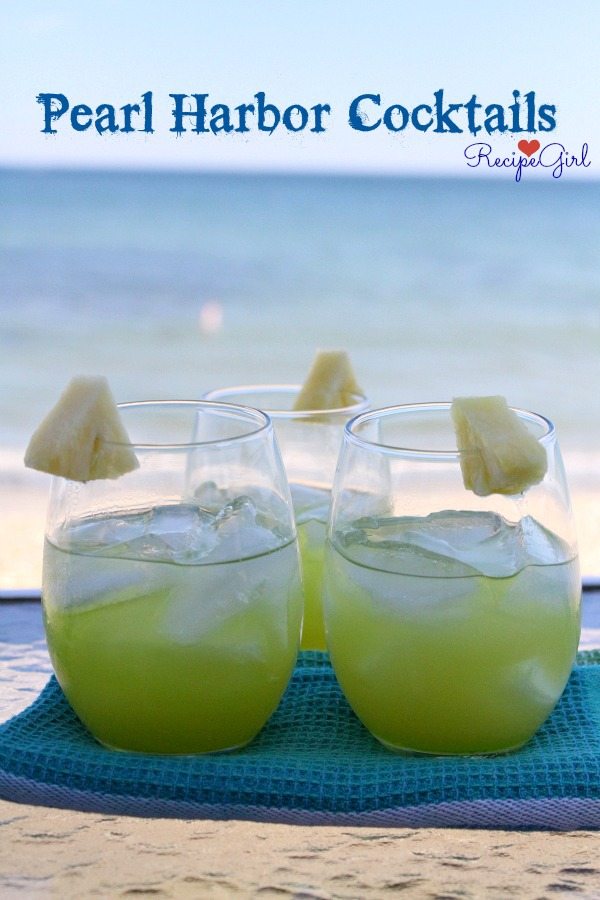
point(53, 853)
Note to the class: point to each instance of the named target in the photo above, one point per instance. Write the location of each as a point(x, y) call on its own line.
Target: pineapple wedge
point(498, 455)
point(72, 440)
point(330, 384)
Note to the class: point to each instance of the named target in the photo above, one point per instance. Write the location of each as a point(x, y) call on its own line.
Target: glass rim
point(436, 406)
point(234, 410)
point(355, 408)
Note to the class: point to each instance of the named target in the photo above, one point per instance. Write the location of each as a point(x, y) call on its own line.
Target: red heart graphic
point(528, 147)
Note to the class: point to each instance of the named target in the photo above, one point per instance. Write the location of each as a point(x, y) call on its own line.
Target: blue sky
point(297, 52)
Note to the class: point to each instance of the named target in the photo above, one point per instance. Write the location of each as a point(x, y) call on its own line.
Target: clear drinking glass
point(172, 595)
point(310, 442)
point(452, 620)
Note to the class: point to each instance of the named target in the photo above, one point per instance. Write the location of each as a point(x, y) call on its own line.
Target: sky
point(315, 51)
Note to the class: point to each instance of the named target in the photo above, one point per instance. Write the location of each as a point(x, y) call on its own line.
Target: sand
point(53, 853)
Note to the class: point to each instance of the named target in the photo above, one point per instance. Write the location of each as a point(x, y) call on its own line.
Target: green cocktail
point(454, 633)
point(172, 594)
point(311, 508)
point(170, 657)
point(309, 441)
point(452, 617)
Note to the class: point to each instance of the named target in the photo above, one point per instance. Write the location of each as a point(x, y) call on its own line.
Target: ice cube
point(386, 547)
point(200, 601)
point(488, 542)
point(450, 543)
point(483, 540)
point(458, 529)
point(188, 534)
point(243, 508)
point(102, 534)
point(183, 533)
point(105, 587)
point(230, 604)
point(403, 580)
point(81, 581)
point(210, 497)
point(239, 534)
point(173, 533)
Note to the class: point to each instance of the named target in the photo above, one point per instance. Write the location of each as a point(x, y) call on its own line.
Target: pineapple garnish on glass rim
point(498, 455)
point(330, 383)
point(82, 437)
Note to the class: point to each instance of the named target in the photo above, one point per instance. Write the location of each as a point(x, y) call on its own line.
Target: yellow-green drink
point(161, 641)
point(309, 440)
point(311, 507)
point(451, 633)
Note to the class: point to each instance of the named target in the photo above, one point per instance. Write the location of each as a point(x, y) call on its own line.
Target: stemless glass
point(310, 443)
point(452, 620)
point(172, 595)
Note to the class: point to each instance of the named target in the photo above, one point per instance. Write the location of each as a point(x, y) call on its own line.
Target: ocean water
point(171, 284)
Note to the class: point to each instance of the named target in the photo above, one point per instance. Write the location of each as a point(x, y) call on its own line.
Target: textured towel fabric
point(315, 763)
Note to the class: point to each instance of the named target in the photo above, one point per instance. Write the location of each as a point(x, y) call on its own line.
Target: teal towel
point(315, 763)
